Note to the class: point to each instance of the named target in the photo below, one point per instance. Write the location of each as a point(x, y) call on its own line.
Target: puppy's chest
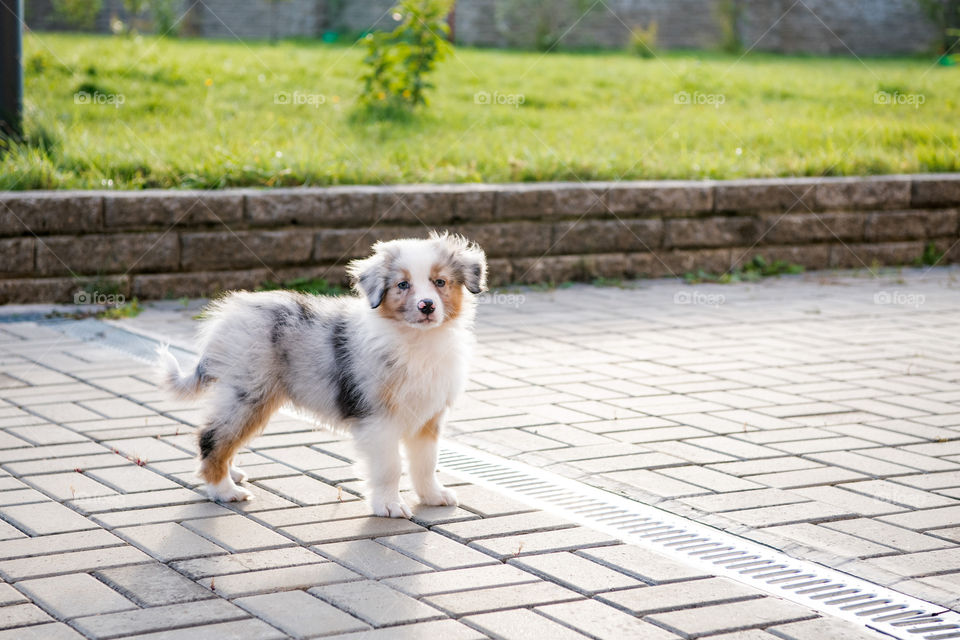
point(423, 383)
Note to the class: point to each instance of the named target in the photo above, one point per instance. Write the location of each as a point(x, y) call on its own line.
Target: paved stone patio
point(818, 414)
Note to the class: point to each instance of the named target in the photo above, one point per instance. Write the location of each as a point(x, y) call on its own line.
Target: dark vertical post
point(11, 69)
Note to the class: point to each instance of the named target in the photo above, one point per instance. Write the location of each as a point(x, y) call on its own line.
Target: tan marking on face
point(451, 294)
point(395, 301)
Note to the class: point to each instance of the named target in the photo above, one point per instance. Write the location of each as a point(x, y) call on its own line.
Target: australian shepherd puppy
point(384, 365)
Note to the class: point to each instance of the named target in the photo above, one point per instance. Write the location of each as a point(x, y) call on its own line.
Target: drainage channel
point(806, 583)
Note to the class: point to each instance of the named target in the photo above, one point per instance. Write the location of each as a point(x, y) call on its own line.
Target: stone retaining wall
point(155, 244)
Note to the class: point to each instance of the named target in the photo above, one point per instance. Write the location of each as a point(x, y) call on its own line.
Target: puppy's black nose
point(426, 306)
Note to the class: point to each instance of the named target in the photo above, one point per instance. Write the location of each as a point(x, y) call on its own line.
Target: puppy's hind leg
point(422, 460)
point(232, 423)
point(379, 450)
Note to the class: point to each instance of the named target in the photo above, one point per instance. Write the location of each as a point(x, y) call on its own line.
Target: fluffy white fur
point(383, 365)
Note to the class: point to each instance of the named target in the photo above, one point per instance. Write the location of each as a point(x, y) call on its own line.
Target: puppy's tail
point(174, 380)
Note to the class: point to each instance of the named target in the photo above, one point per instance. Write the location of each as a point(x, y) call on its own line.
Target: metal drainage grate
point(815, 586)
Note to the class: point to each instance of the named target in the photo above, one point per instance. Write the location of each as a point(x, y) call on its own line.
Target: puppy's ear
point(370, 277)
point(469, 261)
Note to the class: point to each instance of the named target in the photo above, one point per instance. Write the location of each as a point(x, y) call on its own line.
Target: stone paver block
point(446, 629)
point(832, 628)
point(731, 617)
point(603, 621)
point(497, 598)
point(45, 518)
point(250, 629)
point(266, 580)
point(642, 564)
point(679, 595)
point(237, 533)
point(353, 529)
point(21, 615)
point(169, 541)
point(559, 540)
point(74, 595)
point(504, 526)
point(49, 631)
point(132, 478)
point(376, 603)
point(137, 621)
point(241, 562)
point(437, 582)
point(151, 585)
point(520, 624)
point(575, 572)
point(71, 562)
point(435, 550)
point(371, 559)
point(299, 614)
point(302, 490)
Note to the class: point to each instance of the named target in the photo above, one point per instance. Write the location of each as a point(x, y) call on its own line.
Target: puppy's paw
point(391, 508)
point(237, 475)
point(226, 493)
point(440, 497)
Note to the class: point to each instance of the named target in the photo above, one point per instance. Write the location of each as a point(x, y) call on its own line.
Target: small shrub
point(398, 61)
point(643, 41)
point(751, 271)
point(78, 13)
point(315, 286)
point(930, 256)
point(728, 15)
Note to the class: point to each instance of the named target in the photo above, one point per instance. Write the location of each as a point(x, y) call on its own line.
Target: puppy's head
point(421, 283)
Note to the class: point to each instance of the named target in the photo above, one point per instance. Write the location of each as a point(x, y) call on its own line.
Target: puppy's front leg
point(422, 459)
point(380, 453)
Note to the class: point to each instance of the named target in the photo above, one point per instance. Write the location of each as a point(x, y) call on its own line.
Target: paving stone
point(577, 573)
point(302, 490)
point(920, 564)
point(74, 595)
point(49, 631)
point(353, 529)
point(719, 503)
point(602, 621)
point(58, 543)
point(436, 550)
point(9, 595)
point(250, 561)
point(789, 514)
point(560, 540)
point(901, 495)
point(679, 595)
point(833, 628)
point(21, 496)
point(151, 585)
point(371, 559)
point(71, 562)
point(834, 542)
point(146, 450)
point(297, 577)
point(45, 518)
point(731, 617)
point(322, 514)
point(841, 497)
point(138, 621)
point(169, 541)
point(174, 513)
point(446, 629)
point(886, 534)
point(69, 486)
point(376, 603)
point(132, 479)
point(250, 629)
point(926, 519)
point(807, 477)
point(642, 564)
point(137, 500)
point(497, 598)
point(21, 615)
point(437, 582)
point(299, 614)
point(504, 525)
point(488, 503)
point(520, 624)
point(237, 533)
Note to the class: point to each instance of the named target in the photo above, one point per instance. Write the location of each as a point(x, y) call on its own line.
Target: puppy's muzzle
point(426, 306)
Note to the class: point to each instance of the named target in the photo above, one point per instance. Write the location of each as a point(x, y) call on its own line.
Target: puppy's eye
point(439, 282)
point(403, 286)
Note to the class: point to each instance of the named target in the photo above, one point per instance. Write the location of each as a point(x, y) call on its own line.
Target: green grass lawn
point(199, 113)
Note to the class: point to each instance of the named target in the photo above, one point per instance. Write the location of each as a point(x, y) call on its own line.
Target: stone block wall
point(156, 244)
point(845, 27)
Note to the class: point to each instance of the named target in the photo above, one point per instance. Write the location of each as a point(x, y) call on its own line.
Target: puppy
point(384, 365)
